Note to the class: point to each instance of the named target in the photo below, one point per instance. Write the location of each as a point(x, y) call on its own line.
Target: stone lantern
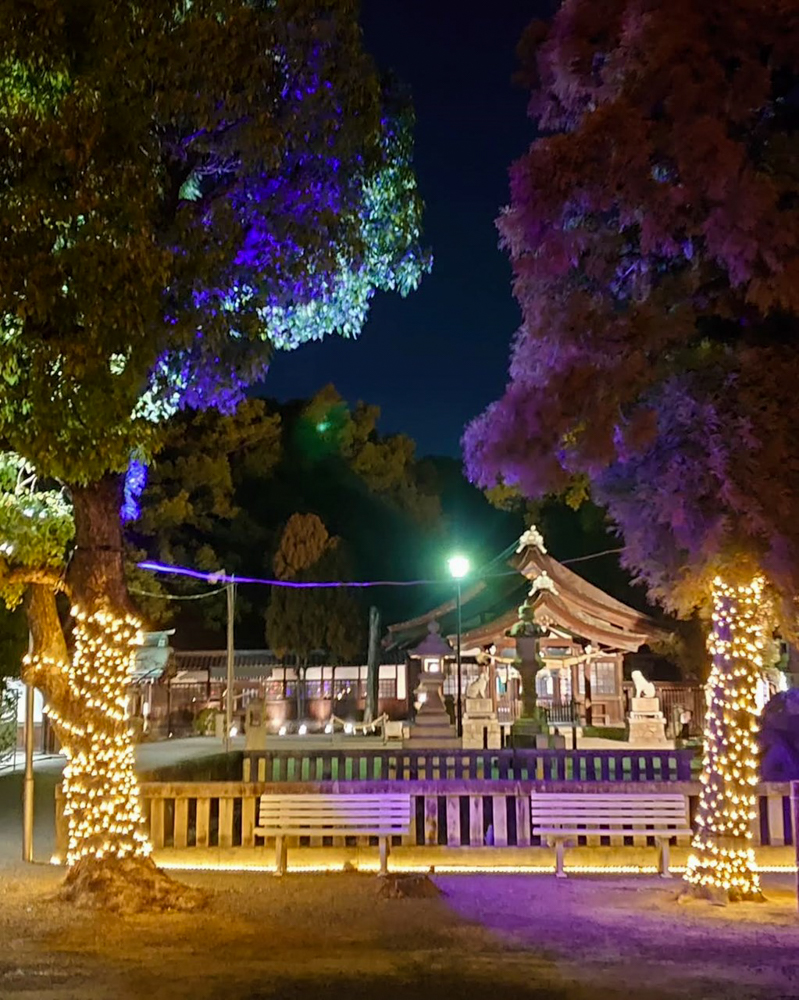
point(432, 727)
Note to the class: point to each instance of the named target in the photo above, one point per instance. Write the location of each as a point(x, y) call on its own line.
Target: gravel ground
point(329, 936)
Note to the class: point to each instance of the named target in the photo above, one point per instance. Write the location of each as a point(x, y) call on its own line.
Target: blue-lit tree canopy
point(186, 187)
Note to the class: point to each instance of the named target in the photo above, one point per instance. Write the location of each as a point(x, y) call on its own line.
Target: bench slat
point(343, 797)
point(333, 810)
point(576, 832)
point(539, 817)
point(580, 799)
point(300, 831)
point(333, 815)
point(620, 807)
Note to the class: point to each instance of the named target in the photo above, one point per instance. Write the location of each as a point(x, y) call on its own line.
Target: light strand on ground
point(436, 869)
point(723, 858)
point(101, 794)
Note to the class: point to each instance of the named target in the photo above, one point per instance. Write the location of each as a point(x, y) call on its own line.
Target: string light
point(724, 859)
point(102, 803)
point(440, 869)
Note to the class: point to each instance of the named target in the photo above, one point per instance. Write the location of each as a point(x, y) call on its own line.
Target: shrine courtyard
point(331, 936)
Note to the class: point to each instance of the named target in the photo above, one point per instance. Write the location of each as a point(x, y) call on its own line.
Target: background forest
point(235, 484)
point(318, 480)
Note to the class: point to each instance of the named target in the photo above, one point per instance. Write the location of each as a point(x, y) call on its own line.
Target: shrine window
point(603, 677)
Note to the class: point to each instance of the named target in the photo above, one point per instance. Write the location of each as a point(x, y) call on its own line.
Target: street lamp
point(458, 569)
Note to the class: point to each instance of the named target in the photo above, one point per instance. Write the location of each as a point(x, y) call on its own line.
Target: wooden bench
point(372, 815)
point(557, 817)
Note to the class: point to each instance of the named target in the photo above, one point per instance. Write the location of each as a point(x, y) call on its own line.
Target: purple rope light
point(157, 567)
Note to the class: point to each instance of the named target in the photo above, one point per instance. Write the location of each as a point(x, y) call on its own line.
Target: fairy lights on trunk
point(102, 803)
point(723, 860)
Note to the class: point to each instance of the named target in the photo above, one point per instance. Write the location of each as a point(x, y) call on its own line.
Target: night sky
point(435, 359)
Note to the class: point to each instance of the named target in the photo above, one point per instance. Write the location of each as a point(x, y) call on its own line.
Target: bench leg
point(560, 850)
point(281, 855)
point(384, 852)
point(663, 858)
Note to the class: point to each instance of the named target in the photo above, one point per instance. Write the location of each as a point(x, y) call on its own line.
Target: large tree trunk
point(96, 572)
point(86, 692)
point(723, 864)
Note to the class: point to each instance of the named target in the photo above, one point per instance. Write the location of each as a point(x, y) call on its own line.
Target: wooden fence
point(452, 813)
point(625, 764)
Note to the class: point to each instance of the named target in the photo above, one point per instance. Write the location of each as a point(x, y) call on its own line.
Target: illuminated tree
point(385, 464)
point(654, 234)
point(188, 512)
point(303, 621)
point(186, 187)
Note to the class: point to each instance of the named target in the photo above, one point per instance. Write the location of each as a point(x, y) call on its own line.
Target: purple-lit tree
point(186, 188)
point(654, 234)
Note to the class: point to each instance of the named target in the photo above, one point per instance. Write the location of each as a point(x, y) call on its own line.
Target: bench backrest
point(601, 809)
point(367, 813)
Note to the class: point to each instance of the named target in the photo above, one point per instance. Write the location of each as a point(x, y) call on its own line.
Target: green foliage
point(186, 187)
point(300, 621)
point(205, 722)
point(191, 484)
point(36, 525)
point(190, 505)
point(397, 517)
point(606, 733)
point(304, 542)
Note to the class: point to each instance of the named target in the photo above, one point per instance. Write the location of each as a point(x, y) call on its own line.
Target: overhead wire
point(226, 579)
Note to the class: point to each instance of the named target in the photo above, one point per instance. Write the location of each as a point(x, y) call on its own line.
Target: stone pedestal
point(647, 724)
point(431, 727)
point(481, 727)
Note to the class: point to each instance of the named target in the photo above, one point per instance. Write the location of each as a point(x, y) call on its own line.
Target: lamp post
point(458, 568)
point(27, 781)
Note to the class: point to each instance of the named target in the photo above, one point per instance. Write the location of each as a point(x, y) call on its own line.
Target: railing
point(8, 724)
point(563, 713)
point(676, 696)
point(471, 765)
point(222, 814)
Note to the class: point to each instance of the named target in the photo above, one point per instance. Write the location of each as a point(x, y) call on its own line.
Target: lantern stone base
point(481, 729)
point(431, 727)
point(647, 725)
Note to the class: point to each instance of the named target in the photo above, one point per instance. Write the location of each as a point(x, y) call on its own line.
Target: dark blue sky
point(434, 360)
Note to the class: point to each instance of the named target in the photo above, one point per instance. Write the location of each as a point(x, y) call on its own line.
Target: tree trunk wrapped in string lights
point(101, 795)
point(723, 862)
point(84, 674)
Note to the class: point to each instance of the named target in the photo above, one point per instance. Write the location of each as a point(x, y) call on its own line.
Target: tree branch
point(47, 577)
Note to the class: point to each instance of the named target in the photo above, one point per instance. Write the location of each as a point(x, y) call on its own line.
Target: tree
point(188, 513)
point(185, 189)
point(301, 621)
point(385, 464)
point(654, 234)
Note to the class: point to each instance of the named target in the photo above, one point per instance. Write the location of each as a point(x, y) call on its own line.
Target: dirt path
point(330, 937)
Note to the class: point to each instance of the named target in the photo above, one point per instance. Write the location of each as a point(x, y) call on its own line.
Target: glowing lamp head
point(458, 567)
